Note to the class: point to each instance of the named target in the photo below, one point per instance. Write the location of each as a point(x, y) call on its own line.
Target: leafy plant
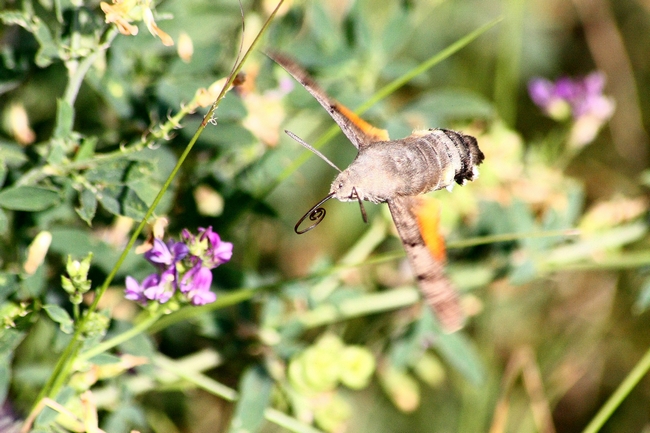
point(110, 130)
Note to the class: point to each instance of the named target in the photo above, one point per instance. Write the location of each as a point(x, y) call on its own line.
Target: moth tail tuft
point(470, 155)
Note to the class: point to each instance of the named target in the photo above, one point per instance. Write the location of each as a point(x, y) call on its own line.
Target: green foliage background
point(558, 319)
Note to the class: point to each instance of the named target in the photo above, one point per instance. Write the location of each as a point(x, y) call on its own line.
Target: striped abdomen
point(422, 162)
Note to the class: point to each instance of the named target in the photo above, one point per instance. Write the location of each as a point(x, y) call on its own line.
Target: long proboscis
point(316, 213)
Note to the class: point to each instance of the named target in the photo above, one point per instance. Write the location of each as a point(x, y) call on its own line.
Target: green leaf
point(109, 199)
point(60, 316)
point(34, 285)
point(255, 394)
point(15, 18)
point(57, 153)
point(87, 206)
point(28, 198)
point(105, 359)
point(87, 149)
point(48, 48)
point(133, 206)
point(11, 154)
point(110, 173)
point(459, 352)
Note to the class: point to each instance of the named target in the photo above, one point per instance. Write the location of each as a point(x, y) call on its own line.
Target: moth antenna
point(316, 213)
point(363, 209)
point(311, 149)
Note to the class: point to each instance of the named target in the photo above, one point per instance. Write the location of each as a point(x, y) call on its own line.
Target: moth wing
point(358, 131)
point(425, 251)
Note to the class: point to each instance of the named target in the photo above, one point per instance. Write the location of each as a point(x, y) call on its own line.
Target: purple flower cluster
point(183, 268)
point(578, 97)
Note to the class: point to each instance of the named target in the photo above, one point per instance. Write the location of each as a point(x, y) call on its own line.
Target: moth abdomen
point(469, 153)
point(428, 160)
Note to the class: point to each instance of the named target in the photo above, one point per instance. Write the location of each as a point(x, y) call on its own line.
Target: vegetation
point(138, 134)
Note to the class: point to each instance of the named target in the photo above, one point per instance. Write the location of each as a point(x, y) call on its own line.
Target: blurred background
point(558, 317)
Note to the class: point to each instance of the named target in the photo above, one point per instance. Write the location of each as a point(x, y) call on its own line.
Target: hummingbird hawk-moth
point(396, 172)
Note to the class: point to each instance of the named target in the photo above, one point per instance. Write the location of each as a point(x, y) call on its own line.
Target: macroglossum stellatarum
point(396, 172)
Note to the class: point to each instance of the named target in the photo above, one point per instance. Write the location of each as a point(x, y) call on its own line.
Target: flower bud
point(357, 366)
point(37, 251)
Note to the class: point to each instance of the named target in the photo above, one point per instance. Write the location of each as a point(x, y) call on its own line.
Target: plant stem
point(121, 338)
point(78, 69)
point(637, 373)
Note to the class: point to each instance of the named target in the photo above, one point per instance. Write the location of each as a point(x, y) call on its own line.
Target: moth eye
point(340, 185)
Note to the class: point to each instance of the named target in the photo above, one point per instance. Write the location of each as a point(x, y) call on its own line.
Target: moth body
point(422, 162)
point(397, 172)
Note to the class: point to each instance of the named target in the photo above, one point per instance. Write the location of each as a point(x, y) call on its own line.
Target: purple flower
point(163, 291)
point(197, 278)
point(218, 252)
point(135, 291)
point(581, 98)
point(552, 98)
point(184, 269)
point(578, 97)
point(208, 246)
point(590, 101)
point(196, 285)
point(166, 255)
point(201, 297)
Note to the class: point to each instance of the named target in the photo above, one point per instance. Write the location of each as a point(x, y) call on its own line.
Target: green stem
point(79, 69)
point(508, 65)
point(222, 301)
point(283, 420)
point(632, 379)
point(327, 314)
point(121, 338)
point(200, 380)
point(508, 237)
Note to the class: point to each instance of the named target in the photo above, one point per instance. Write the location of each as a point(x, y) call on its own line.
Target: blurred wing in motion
point(359, 132)
point(425, 251)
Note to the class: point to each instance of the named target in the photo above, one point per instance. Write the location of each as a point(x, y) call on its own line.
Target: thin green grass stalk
point(291, 424)
point(615, 261)
point(509, 237)
point(508, 63)
point(623, 390)
point(199, 380)
point(63, 366)
point(327, 314)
